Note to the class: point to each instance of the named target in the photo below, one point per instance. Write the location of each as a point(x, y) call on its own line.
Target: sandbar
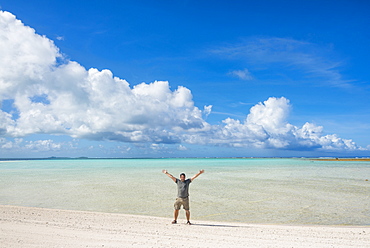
point(342, 159)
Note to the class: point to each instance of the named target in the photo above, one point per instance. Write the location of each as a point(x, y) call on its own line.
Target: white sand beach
point(38, 227)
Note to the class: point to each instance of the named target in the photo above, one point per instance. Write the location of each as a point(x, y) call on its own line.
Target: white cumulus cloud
point(266, 126)
point(43, 145)
point(52, 95)
point(84, 103)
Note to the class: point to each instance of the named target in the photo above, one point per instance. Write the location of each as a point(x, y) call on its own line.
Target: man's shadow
point(216, 225)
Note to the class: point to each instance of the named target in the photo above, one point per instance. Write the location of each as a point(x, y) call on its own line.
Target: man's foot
point(174, 222)
point(188, 223)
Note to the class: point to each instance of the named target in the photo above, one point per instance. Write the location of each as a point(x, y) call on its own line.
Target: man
point(182, 194)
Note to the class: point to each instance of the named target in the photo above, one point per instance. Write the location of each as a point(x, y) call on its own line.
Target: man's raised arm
point(169, 175)
point(195, 176)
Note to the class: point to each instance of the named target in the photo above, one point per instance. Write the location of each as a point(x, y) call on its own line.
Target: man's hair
point(182, 174)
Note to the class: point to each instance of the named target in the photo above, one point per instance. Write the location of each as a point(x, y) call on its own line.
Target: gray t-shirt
point(183, 188)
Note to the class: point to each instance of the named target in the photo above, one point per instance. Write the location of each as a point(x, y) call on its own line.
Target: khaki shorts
point(182, 202)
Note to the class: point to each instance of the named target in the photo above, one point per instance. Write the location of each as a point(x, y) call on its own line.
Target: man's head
point(182, 176)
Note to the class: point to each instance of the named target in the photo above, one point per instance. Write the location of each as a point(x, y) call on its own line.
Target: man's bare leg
point(175, 215)
point(188, 216)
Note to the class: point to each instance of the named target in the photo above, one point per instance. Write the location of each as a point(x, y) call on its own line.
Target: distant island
point(309, 158)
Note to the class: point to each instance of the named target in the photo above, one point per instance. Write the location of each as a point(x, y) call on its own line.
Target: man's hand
point(195, 176)
point(169, 175)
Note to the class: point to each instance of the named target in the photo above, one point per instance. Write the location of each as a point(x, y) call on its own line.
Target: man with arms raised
point(183, 194)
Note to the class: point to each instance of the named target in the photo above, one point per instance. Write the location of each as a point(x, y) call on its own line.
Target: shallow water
point(285, 191)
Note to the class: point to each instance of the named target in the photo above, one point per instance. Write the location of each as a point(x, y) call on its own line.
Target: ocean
point(268, 191)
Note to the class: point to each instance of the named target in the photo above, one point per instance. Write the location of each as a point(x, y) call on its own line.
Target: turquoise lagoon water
point(272, 191)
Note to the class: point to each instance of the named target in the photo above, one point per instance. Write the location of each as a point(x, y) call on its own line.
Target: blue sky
point(184, 78)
